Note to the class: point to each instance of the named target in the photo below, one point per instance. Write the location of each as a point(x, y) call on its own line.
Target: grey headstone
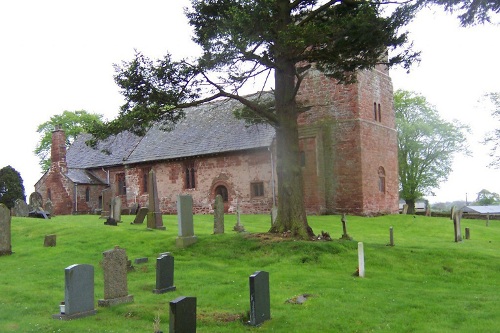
point(141, 260)
point(155, 219)
point(49, 208)
point(21, 208)
point(238, 226)
point(114, 265)
point(117, 209)
point(456, 224)
point(5, 232)
point(49, 241)
point(185, 221)
point(219, 215)
point(260, 303)
point(35, 201)
point(405, 209)
point(134, 208)
point(78, 292)
point(107, 195)
point(183, 315)
point(141, 215)
point(164, 274)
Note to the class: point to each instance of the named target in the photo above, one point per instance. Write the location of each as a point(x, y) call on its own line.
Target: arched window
point(222, 190)
point(190, 175)
point(87, 194)
point(381, 179)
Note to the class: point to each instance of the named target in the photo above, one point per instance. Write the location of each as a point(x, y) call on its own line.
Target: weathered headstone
point(467, 233)
point(78, 292)
point(219, 215)
point(185, 221)
point(117, 209)
point(134, 208)
point(5, 232)
point(260, 302)
point(155, 219)
point(49, 208)
point(452, 212)
point(35, 201)
point(142, 260)
point(391, 236)
point(456, 224)
point(405, 209)
point(107, 195)
point(141, 215)
point(345, 235)
point(361, 260)
point(183, 315)
point(49, 241)
point(21, 208)
point(238, 226)
point(164, 274)
point(114, 265)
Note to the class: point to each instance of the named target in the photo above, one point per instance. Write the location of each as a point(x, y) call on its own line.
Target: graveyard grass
point(425, 283)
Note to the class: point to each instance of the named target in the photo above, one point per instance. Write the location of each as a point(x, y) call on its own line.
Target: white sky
point(57, 55)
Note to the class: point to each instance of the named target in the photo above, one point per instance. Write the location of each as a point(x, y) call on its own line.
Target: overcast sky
point(58, 55)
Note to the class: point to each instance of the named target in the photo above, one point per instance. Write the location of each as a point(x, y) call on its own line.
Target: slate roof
point(482, 209)
point(207, 129)
point(82, 176)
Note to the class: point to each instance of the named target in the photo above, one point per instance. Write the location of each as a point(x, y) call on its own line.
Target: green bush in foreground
point(425, 283)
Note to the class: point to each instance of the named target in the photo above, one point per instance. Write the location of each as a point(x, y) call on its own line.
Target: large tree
point(72, 122)
point(487, 198)
point(11, 186)
point(278, 39)
point(427, 144)
point(469, 12)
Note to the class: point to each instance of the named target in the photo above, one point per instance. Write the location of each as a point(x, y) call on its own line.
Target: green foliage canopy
point(426, 143)
point(11, 186)
point(72, 122)
point(470, 12)
point(487, 198)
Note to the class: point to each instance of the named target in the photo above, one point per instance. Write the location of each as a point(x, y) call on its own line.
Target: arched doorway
point(222, 190)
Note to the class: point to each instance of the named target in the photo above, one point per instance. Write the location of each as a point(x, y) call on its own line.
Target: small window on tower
point(257, 189)
point(381, 179)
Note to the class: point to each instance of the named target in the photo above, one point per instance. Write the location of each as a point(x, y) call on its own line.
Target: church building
point(348, 154)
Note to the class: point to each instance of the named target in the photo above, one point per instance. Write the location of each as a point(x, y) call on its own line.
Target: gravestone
point(361, 260)
point(134, 208)
point(238, 226)
point(219, 215)
point(391, 236)
point(5, 232)
point(117, 208)
point(49, 208)
point(456, 224)
point(78, 293)
point(141, 215)
point(452, 212)
point(164, 274)
point(107, 195)
point(49, 241)
point(155, 220)
point(467, 233)
point(114, 265)
point(183, 315)
point(142, 260)
point(35, 201)
point(405, 209)
point(21, 208)
point(260, 303)
point(345, 235)
point(185, 221)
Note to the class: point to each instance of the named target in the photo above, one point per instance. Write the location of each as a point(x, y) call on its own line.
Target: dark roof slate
point(81, 176)
point(207, 129)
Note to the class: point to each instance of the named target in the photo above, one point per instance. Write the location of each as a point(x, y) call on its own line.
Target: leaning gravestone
point(185, 221)
point(260, 303)
point(155, 219)
point(114, 265)
point(164, 274)
point(141, 215)
point(21, 208)
point(183, 315)
point(78, 293)
point(5, 233)
point(219, 215)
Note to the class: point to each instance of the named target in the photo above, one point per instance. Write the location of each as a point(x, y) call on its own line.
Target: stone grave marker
point(117, 209)
point(361, 260)
point(456, 224)
point(260, 302)
point(134, 208)
point(49, 208)
point(405, 209)
point(78, 293)
point(5, 232)
point(452, 212)
point(142, 260)
point(391, 236)
point(183, 315)
point(345, 235)
point(107, 195)
point(35, 201)
point(219, 215)
point(155, 219)
point(185, 221)
point(114, 265)
point(141, 215)
point(164, 274)
point(21, 208)
point(49, 241)
point(238, 226)
point(467, 233)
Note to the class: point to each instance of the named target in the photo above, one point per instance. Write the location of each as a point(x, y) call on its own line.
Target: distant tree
point(492, 139)
point(72, 122)
point(426, 145)
point(242, 40)
point(11, 186)
point(470, 12)
point(487, 198)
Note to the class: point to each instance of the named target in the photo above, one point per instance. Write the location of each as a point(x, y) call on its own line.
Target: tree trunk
point(291, 210)
point(411, 206)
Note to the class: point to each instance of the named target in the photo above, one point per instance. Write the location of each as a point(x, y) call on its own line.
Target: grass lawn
point(425, 283)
